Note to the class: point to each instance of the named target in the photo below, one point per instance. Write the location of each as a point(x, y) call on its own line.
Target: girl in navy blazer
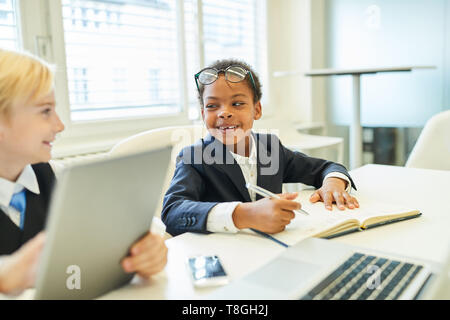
point(208, 193)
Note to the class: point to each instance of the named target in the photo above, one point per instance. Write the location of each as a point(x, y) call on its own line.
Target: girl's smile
point(229, 112)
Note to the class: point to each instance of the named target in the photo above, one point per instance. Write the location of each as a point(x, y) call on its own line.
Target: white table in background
point(356, 144)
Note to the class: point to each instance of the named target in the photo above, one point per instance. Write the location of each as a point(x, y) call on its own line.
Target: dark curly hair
point(222, 65)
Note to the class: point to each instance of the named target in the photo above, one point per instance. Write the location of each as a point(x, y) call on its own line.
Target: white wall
point(409, 32)
point(299, 39)
point(383, 33)
point(289, 49)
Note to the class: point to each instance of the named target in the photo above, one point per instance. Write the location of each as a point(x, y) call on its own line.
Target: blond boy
point(29, 125)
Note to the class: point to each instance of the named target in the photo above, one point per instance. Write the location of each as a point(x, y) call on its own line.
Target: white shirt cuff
point(341, 176)
point(220, 218)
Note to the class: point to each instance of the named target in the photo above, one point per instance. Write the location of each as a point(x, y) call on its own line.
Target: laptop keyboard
point(363, 277)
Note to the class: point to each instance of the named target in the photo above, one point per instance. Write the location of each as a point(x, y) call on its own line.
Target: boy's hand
point(148, 256)
point(333, 190)
point(18, 271)
point(267, 214)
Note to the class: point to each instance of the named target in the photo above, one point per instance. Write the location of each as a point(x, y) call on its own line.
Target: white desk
point(355, 126)
point(425, 238)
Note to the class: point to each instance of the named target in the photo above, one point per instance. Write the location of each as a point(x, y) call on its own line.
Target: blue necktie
point(19, 202)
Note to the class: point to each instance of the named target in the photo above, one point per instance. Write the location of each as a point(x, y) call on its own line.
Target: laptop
point(439, 286)
point(319, 269)
point(98, 210)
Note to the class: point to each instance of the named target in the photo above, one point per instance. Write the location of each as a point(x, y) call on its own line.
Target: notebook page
point(321, 219)
point(369, 206)
point(372, 207)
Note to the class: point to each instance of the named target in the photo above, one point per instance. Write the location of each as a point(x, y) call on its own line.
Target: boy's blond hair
point(23, 78)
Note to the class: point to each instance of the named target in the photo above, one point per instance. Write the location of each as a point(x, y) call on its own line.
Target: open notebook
point(323, 223)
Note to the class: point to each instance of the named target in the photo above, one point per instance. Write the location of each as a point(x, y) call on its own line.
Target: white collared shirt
point(220, 218)
point(26, 180)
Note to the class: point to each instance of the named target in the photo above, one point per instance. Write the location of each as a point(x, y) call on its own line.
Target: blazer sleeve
point(183, 210)
point(308, 170)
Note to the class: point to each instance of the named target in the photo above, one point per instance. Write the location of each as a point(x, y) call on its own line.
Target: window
point(232, 29)
point(117, 50)
point(95, 34)
point(8, 25)
point(79, 86)
point(153, 84)
point(229, 29)
point(124, 66)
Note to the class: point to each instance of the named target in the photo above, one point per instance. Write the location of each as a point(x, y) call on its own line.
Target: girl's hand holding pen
point(269, 215)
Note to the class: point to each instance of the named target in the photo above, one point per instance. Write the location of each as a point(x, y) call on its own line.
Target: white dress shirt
point(26, 180)
point(220, 218)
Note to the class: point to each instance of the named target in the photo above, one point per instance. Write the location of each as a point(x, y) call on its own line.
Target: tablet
point(98, 210)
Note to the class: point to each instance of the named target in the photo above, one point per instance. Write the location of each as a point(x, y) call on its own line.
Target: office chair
point(432, 149)
point(181, 136)
point(177, 137)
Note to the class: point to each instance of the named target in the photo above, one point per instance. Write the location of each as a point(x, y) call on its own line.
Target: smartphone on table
point(207, 271)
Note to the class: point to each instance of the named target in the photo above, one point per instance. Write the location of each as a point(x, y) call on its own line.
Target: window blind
point(121, 58)
point(8, 25)
point(231, 30)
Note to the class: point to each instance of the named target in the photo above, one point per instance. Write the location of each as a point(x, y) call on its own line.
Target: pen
point(268, 236)
point(266, 193)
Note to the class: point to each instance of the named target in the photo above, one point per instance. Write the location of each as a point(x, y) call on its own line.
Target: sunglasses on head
point(232, 74)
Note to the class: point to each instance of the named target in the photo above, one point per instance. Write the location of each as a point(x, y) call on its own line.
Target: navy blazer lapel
point(223, 160)
point(265, 162)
